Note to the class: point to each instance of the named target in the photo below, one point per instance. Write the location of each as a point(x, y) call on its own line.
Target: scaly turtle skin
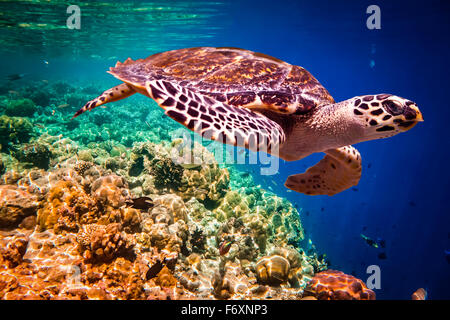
point(255, 101)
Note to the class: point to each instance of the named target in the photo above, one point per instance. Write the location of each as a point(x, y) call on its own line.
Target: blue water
point(401, 198)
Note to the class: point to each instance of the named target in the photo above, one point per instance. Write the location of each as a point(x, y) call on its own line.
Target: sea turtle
point(255, 101)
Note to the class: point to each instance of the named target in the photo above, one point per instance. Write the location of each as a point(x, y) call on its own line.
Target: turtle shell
point(234, 76)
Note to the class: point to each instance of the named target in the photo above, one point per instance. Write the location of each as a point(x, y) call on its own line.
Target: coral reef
point(95, 209)
point(336, 285)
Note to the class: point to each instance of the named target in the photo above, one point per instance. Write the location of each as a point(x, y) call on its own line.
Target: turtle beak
point(412, 117)
point(419, 116)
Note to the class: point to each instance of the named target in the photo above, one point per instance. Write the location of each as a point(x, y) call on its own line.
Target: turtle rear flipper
point(339, 170)
point(216, 120)
point(119, 92)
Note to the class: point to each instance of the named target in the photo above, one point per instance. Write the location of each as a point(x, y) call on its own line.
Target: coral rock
point(336, 285)
point(14, 130)
point(110, 191)
point(13, 254)
point(66, 205)
point(15, 204)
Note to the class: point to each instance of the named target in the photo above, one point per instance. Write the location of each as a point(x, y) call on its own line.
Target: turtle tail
point(116, 93)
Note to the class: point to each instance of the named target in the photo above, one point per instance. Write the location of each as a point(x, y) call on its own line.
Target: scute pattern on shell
point(235, 76)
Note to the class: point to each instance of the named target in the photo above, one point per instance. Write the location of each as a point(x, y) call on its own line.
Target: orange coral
point(15, 204)
point(13, 254)
point(66, 205)
point(336, 285)
point(99, 243)
point(110, 191)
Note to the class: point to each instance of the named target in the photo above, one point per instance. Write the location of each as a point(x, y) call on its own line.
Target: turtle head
point(385, 115)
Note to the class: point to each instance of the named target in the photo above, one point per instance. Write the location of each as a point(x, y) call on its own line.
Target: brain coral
point(336, 285)
point(272, 270)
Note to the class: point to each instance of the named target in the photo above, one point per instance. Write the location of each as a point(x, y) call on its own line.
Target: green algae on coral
point(14, 130)
point(20, 108)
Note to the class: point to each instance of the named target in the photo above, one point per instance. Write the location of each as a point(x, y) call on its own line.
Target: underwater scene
point(242, 150)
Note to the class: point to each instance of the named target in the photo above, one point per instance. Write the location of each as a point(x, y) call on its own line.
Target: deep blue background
point(402, 197)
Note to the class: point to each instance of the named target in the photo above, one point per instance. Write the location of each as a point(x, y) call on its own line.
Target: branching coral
point(100, 243)
point(167, 174)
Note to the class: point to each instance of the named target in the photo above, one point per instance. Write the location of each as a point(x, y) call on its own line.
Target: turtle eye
point(392, 107)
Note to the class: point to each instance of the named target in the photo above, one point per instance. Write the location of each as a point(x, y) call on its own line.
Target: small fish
point(307, 213)
point(382, 256)
point(15, 76)
point(225, 247)
point(369, 241)
point(45, 61)
point(419, 294)
point(141, 203)
point(369, 166)
point(13, 92)
point(364, 228)
point(44, 81)
point(322, 209)
point(41, 126)
point(412, 203)
point(53, 112)
point(355, 189)
point(154, 270)
point(63, 105)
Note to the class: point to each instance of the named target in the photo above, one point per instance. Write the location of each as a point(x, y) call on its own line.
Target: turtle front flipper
point(339, 170)
point(116, 93)
point(216, 120)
